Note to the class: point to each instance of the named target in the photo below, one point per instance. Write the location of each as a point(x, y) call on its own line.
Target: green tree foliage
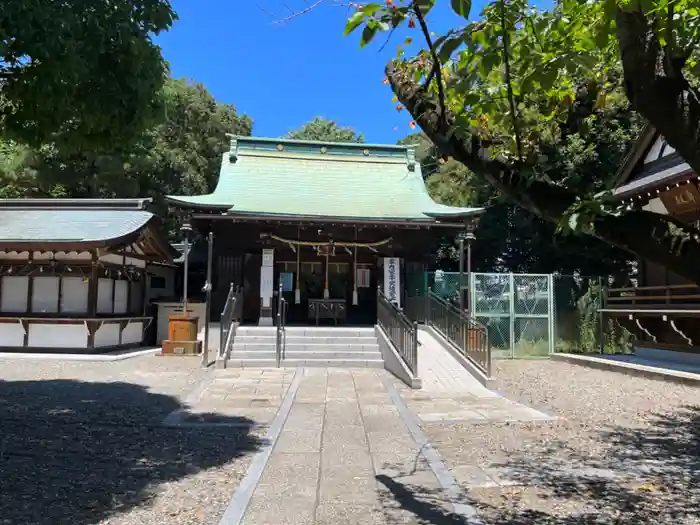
point(501, 95)
point(510, 238)
point(83, 75)
point(181, 155)
point(325, 130)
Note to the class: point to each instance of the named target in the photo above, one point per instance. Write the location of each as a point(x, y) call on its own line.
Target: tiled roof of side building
point(72, 221)
point(282, 177)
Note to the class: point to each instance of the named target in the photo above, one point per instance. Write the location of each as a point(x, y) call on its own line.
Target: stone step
point(295, 363)
point(306, 354)
point(304, 339)
point(307, 331)
point(341, 347)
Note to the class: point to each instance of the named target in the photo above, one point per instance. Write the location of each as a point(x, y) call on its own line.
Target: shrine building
point(329, 223)
point(663, 309)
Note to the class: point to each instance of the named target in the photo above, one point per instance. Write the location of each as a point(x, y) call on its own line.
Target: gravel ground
point(624, 450)
point(81, 443)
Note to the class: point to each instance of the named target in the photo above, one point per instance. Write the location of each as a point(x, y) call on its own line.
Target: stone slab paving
point(253, 395)
point(346, 455)
point(451, 394)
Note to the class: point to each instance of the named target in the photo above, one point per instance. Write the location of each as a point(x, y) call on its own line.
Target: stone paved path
point(442, 373)
point(451, 394)
point(252, 394)
point(345, 455)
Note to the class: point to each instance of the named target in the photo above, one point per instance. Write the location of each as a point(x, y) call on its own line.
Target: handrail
point(281, 339)
point(401, 331)
point(464, 332)
point(227, 328)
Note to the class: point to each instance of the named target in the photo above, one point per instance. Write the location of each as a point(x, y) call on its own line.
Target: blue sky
point(284, 75)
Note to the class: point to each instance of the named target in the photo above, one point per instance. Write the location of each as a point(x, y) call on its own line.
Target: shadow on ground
point(76, 453)
point(424, 506)
point(649, 474)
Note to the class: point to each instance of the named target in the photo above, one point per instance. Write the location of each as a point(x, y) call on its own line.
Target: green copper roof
point(282, 177)
point(71, 220)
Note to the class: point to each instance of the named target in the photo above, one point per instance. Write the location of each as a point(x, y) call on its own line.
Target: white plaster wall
point(107, 335)
point(133, 333)
point(63, 256)
point(14, 294)
point(166, 273)
point(656, 206)
point(654, 151)
point(120, 296)
point(58, 335)
point(74, 295)
point(15, 255)
point(120, 260)
point(45, 294)
point(11, 334)
point(104, 296)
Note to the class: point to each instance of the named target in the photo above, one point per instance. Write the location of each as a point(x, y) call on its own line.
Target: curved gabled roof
point(281, 177)
point(79, 223)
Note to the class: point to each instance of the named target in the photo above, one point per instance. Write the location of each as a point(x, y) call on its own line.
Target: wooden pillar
point(60, 291)
point(30, 284)
point(144, 286)
point(92, 298)
point(128, 295)
point(114, 291)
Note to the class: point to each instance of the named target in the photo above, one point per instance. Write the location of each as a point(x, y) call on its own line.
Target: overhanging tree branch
point(657, 238)
point(509, 81)
point(656, 87)
point(435, 72)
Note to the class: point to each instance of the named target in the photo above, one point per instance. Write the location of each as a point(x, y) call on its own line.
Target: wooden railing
point(400, 330)
point(677, 295)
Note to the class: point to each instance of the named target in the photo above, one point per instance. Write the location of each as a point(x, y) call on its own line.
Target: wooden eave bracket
point(672, 323)
point(639, 325)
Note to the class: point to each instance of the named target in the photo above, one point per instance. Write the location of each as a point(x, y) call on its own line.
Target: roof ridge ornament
point(233, 148)
point(411, 157)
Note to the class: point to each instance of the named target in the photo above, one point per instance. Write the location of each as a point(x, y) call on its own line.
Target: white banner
point(392, 279)
point(267, 285)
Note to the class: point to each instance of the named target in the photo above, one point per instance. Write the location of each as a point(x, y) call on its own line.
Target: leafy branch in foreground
point(518, 81)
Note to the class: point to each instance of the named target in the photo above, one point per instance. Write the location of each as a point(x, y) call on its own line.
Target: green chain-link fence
point(579, 326)
point(528, 315)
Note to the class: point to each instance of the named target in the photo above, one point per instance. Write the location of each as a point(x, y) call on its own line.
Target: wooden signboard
point(682, 199)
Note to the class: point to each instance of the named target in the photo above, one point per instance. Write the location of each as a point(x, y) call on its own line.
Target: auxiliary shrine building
point(662, 312)
point(326, 223)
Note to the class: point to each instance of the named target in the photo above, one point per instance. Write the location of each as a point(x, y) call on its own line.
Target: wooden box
point(182, 347)
point(182, 328)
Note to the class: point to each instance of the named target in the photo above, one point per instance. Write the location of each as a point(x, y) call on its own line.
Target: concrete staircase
point(254, 346)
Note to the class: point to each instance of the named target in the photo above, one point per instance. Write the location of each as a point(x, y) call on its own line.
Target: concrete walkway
point(442, 373)
point(342, 451)
point(451, 394)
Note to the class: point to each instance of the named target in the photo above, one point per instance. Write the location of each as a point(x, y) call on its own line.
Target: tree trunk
point(657, 238)
point(656, 87)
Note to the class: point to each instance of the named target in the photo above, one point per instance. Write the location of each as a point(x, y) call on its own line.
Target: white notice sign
point(392, 279)
point(267, 285)
point(268, 258)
